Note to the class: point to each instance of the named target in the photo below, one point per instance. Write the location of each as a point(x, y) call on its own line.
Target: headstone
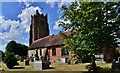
point(21, 60)
point(45, 64)
point(26, 62)
point(31, 58)
point(38, 65)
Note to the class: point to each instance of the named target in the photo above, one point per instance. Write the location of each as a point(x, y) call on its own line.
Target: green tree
point(17, 48)
point(23, 50)
point(93, 25)
point(10, 60)
point(12, 47)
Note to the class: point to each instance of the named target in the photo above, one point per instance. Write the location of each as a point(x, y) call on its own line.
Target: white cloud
point(1, 19)
point(19, 1)
point(57, 27)
point(27, 4)
point(2, 47)
point(13, 33)
point(25, 16)
point(54, 3)
point(14, 30)
point(25, 1)
point(63, 3)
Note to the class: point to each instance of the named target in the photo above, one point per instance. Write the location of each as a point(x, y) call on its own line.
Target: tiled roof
point(48, 41)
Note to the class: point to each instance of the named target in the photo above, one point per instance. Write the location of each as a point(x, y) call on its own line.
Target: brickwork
point(58, 53)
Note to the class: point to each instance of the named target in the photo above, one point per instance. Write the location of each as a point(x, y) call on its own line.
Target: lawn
point(20, 67)
point(56, 67)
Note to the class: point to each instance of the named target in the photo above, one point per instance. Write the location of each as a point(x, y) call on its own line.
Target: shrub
point(10, 60)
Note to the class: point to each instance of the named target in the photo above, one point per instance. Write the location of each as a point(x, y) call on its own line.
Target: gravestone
point(31, 58)
point(45, 64)
point(21, 60)
point(26, 62)
point(38, 65)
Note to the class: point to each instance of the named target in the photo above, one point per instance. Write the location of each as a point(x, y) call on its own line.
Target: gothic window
point(53, 51)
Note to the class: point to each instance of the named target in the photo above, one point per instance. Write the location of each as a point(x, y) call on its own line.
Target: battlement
point(39, 15)
point(39, 26)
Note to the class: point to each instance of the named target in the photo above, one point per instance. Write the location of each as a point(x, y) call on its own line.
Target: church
point(50, 46)
point(43, 44)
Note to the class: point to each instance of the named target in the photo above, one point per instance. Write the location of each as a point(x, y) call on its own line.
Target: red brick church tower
point(39, 27)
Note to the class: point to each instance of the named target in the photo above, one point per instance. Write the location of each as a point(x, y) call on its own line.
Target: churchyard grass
point(20, 67)
point(57, 66)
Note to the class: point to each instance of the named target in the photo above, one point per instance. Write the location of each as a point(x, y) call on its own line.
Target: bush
point(10, 60)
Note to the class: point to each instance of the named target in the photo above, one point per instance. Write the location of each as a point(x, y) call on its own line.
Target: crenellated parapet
point(39, 27)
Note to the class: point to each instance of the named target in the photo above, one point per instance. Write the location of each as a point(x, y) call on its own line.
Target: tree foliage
point(17, 48)
point(12, 47)
point(22, 49)
point(95, 25)
point(10, 60)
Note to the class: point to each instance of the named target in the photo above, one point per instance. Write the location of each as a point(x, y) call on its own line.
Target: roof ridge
point(51, 40)
point(43, 38)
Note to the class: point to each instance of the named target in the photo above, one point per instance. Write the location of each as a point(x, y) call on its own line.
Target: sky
point(15, 19)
